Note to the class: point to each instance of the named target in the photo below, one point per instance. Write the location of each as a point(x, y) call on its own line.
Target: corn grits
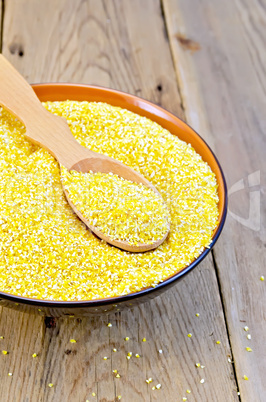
point(119, 208)
point(46, 252)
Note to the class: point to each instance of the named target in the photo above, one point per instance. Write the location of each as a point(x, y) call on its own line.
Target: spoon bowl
point(104, 164)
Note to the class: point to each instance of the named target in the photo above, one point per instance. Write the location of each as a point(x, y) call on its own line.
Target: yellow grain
point(46, 252)
point(118, 208)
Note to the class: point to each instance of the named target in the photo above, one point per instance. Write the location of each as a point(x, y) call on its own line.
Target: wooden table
point(204, 61)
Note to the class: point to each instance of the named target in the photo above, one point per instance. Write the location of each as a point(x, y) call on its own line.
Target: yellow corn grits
point(119, 208)
point(46, 252)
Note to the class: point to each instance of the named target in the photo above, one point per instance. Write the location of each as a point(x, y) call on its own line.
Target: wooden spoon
point(52, 133)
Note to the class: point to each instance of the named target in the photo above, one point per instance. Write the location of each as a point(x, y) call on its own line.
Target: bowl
point(60, 92)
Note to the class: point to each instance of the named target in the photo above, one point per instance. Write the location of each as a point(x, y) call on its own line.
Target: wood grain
point(105, 43)
point(223, 87)
point(124, 45)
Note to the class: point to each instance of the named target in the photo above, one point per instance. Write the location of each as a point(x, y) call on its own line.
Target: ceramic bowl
point(60, 92)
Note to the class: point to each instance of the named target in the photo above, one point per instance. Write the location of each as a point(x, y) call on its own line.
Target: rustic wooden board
point(122, 45)
point(218, 49)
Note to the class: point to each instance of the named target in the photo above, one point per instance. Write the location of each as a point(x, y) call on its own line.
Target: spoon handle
point(42, 127)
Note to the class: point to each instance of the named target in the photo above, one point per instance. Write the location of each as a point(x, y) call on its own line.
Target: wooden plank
point(93, 42)
point(122, 45)
point(223, 85)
